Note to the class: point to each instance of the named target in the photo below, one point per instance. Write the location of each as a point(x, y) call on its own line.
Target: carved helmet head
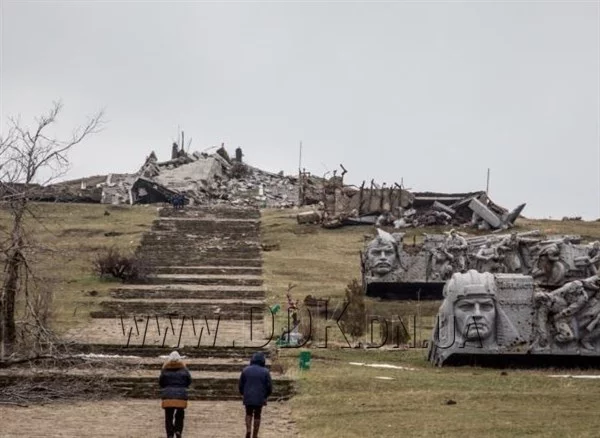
point(470, 311)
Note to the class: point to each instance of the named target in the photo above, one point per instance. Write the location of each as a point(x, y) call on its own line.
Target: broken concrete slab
point(437, 205)
point(513, 215)
point(485, 213)
point(308, 217)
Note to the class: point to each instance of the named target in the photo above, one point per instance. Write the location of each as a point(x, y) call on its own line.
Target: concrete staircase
point(204, 297)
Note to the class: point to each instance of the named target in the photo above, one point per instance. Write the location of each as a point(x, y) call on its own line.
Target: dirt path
point(139, 419)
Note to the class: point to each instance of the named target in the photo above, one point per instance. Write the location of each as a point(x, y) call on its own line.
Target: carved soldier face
point(382, 258)
point(475, 317)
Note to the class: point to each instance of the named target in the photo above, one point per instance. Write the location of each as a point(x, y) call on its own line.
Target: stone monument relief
point(382, 257)
point(552, 261)
point(518, 295)
point(503, 315)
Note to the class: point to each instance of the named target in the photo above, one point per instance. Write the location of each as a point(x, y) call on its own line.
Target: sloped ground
point(137, 419)
point(335, 398)
point(218, 328)
point(339, 399)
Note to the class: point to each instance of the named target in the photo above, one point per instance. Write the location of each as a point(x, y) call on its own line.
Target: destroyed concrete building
point(217, 178)
point(395, 206)
point(199, 177)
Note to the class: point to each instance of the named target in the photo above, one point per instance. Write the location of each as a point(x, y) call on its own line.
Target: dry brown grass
point(322, 262)
point(338, 399)
point(586, 229)
point(66, 238)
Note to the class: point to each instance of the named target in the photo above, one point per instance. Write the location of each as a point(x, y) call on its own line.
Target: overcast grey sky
point(432, 92)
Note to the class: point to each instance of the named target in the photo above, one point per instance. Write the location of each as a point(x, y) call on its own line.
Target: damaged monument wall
point(400, 208)
point(217, 178)
point(504, 320)
point(393, 270)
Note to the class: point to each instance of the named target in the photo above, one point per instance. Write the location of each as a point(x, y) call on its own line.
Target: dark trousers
point(174, 420)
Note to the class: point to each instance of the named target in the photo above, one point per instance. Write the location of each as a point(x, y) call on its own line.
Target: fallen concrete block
point(441, 207)
point(485, 213)
point(308, 217)
point(513, 215)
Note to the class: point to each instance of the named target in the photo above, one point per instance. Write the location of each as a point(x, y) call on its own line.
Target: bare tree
point(24, 155)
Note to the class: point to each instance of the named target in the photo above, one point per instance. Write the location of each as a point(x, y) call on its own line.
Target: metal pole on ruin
point(487, 186)
point(300, 178)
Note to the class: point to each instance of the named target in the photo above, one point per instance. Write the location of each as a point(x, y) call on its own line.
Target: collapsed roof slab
point(485, 213)
point(203, 171)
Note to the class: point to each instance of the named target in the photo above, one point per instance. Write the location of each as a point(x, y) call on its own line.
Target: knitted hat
point(174, 356)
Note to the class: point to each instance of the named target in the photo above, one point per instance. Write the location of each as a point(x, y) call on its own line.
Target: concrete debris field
point(200, 178)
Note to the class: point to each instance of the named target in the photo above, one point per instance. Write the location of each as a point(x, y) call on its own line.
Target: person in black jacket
point(256, 386)
point(174, 381)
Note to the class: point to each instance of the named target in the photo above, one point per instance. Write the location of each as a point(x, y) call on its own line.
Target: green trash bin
point(304, 360)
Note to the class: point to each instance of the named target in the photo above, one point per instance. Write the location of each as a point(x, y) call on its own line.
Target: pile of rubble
point(200, 177)
point(469, 209)
point(387, 206)
point(258, 186)
point(217, 178)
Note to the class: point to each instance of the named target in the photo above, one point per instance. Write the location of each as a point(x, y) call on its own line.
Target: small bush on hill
point(354, 320)
point(114, 264)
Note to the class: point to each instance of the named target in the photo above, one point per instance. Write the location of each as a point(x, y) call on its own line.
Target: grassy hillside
point(340, 399)
point(336, 397)
point(321, 262)
point(65, 239)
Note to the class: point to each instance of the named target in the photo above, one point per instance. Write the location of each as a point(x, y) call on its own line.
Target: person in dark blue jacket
point(256, 386)
point(174, 381)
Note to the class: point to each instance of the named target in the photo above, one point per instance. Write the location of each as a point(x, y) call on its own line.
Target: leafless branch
point(24, 152)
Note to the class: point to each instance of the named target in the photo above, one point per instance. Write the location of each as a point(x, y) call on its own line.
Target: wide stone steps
point(149, 351)
point(207, 280)
point(183, 240)
point(200, 230)
point(201, 246)
point(179, 254)
point(208, 364)
point(253, 260)
point(203, 297)
point(212, 212)
point(208, 270)
point(200, 225)
point(186, 257)
point(144, 383)
point(186, 291)
point(158, 260)
point(226, 309)
point(152, 331)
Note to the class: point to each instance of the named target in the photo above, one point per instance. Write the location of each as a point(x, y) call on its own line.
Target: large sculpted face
point(382, 258)
point(475, 317)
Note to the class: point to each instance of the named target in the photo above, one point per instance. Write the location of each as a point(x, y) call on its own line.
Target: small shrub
point(114, 264)
point(354, 321)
